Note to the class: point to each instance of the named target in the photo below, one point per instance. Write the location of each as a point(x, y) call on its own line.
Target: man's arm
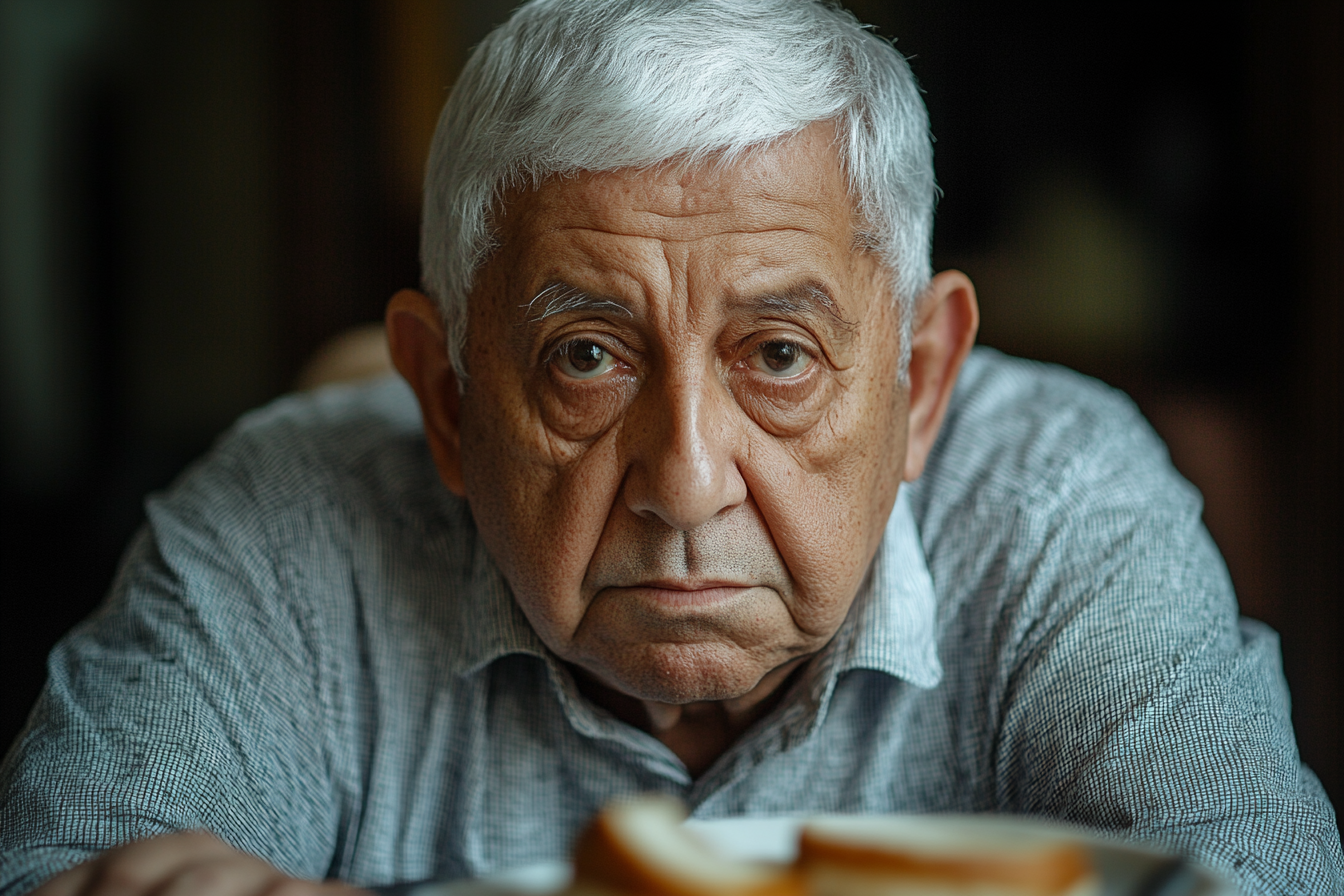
point(1125, 693)
point(189, 701)
point(192, 863)
point(1140, 704)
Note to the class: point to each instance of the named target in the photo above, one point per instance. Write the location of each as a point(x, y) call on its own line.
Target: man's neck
point(698, 733)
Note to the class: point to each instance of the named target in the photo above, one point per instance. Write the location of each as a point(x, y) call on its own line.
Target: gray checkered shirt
point(309, 652)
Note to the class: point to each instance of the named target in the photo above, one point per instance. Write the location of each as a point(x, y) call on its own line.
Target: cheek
point(826, 497)
point(539, 510)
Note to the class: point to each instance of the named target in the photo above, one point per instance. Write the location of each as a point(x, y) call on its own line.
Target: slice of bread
point(640, 846)
point(944, 856)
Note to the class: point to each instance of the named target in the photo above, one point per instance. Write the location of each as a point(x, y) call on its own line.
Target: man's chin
point(679, 674)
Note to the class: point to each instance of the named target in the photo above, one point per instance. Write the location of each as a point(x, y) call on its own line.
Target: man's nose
point(683, 441)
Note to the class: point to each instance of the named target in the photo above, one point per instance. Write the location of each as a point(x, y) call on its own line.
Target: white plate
point(1123, 868)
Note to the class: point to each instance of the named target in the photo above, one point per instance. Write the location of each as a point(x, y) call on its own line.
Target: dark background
point(194, 197)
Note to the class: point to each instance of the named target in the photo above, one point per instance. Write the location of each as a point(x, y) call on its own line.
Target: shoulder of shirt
point(1028, 437)
point(359, 446)
point(1044, 482)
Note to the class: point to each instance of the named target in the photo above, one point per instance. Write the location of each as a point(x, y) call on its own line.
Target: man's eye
point(583, 359)
point(780, 359)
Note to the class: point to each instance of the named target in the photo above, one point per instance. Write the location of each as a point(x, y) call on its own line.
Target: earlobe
point(419, 348)
point(946, 320)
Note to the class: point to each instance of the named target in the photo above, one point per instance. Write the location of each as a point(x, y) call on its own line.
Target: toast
point(946, 856)
point(640, 846)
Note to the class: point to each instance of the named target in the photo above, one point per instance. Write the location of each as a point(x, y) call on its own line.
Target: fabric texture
point(308, 651)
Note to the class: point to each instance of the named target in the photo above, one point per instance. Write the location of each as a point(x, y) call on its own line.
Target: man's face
point(682, 430)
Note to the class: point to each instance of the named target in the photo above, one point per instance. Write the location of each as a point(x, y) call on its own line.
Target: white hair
point(598, 85)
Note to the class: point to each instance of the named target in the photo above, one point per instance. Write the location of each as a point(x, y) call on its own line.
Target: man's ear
point(946, 318)
point(419, 347)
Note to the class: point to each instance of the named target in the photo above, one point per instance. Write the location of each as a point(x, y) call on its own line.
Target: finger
point(68, 883)
point(141, 867)
point(238, 874)
point(290, 886)
point(341, 888)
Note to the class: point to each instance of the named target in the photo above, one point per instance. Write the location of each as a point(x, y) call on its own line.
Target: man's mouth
point(685, 594)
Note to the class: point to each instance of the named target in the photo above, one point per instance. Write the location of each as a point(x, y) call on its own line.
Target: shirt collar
point(891, 629)
point(893, 626)
point(491, 624)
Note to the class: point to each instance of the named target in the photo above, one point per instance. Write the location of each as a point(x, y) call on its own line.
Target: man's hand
point(188, 864)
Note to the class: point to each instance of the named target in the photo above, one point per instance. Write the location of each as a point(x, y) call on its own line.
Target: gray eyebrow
point(558, 297)
point(805, 298)
point(809, 297)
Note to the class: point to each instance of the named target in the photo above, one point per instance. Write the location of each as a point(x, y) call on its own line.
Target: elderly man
point(732, 512)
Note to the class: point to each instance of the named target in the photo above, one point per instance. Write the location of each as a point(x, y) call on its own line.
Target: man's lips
point(680, 594)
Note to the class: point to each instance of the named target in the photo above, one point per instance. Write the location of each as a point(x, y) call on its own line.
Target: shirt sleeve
point(1138, 703)
point(187, 701)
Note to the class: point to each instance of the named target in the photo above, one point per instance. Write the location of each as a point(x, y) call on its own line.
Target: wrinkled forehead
point(798, 183)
